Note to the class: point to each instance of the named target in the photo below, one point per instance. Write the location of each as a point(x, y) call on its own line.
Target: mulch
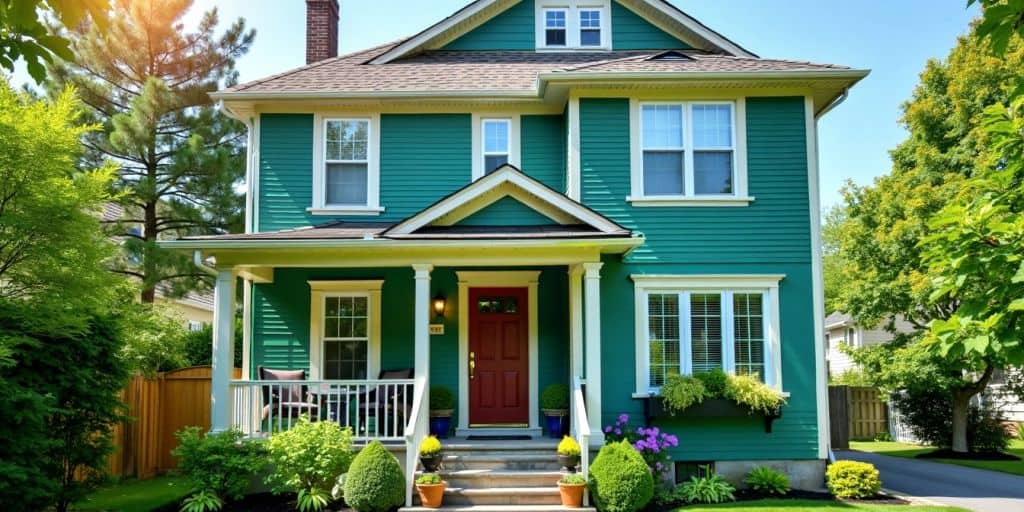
point(262, 502)
point(947, 453)
point(750, 495)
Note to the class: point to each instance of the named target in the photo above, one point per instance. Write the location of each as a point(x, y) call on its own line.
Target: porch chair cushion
point(292, 394)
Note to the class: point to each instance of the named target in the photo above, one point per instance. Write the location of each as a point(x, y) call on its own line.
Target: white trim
point(319, 205)
point(817, 278)
point(765, 284)
point(514, 140)
point(528, 279)
point(572, 183)
point(713, 38)
point(576, 320)
point(223, 360)
point(254, 187)
point(592, 334)
point(381, 243)
point(534, 193)
point(246, 328)
point(739, 195)
point(319, 292)
point(573, 29)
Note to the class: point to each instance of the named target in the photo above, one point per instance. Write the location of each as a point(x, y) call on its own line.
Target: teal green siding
point(543, 141)
point(506, 212)
point(513, 29)
point(631, 32)
point(281, 318)
point(286, 162)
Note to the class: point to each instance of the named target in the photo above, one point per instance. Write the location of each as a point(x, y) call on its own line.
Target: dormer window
point(573, 25)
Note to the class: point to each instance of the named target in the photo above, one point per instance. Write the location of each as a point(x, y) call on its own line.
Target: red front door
point(499, 358)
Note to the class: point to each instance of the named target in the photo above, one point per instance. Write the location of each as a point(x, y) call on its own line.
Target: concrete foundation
point(807, 475)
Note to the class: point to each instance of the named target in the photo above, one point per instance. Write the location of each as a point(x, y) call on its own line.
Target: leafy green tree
point(24, 34)
point(147, 80)
point(834, 267)
point(891, 259)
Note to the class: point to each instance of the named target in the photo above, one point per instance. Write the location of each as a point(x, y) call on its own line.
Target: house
point(528, 192)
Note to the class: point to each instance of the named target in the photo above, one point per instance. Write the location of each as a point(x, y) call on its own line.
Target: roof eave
point(625, 242)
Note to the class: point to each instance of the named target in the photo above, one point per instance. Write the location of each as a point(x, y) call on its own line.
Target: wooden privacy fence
point(855, 413)
point(159, 408)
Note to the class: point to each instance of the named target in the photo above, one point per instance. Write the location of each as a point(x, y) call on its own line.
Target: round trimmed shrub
point(555, 397)
point(441, 399)
point(852, 479)
point(620, 480)
point(375, 482)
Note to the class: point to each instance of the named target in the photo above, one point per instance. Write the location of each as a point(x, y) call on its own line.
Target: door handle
point(472, 364)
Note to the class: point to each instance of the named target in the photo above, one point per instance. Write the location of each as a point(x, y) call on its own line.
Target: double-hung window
point(688, 151)
point(590, 27)
point(346, 170)
point(689, 325)
point(497, 139)
point(568, 25)
point(556, 25)
point(345, 329)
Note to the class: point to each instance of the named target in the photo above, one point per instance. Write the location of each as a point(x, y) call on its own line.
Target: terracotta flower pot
point(432, 495)
point(572, 494)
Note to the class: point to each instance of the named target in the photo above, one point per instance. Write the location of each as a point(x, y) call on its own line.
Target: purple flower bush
point(651, 442)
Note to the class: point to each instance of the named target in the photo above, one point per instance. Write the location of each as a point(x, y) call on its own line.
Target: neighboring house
point(194, 308)
point(598, 194)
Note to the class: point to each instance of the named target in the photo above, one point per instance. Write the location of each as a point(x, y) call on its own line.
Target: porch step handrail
point(415, 431)
point(582, 428)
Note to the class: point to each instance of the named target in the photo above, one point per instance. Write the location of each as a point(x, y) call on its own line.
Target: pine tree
point(181, 159)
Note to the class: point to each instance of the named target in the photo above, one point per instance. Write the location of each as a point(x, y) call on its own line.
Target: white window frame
point(738, 197)
point(195, 325)
point(319, 292)
point(600, 27)
point(727, 285)
point(514, 143)
point(320, 206)
point(572, 9)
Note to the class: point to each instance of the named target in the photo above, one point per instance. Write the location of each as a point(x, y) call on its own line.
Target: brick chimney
point(321, 30)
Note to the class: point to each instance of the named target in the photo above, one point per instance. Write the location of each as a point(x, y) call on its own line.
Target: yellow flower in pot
point(568, 454)
point(430, 454)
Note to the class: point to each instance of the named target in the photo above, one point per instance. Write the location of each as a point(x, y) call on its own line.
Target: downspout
point(197, 260)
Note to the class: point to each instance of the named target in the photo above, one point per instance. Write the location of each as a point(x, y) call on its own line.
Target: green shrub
point(202, 501)
point(882, 437)
point(441, 399)
point(714, 382)
point(852, 479)
point(308, 459)
point(568, 446)
point(221, 464)
point(428, 479)
point(375, 482)
point(929, 414)
point(620, 480)
point(555, 396)
point(768, 481)
point(711, 488)
point(573, 479)
point(681, 391)
point(749, 391)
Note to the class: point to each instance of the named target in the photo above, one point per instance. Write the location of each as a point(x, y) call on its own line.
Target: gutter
point(835, 103)
point(197, 260)
point(198, 245)
point(855, 74)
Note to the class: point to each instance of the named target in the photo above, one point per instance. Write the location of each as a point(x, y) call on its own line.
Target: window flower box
point(654, 407)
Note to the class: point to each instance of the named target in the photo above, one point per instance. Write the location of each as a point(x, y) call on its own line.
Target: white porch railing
point(374, 409)
point(415, 431)
point(581, 428)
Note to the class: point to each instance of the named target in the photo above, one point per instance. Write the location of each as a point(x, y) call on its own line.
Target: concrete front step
point(498, 508)
point(498, 478)
point(505, 461)
point(503, 496)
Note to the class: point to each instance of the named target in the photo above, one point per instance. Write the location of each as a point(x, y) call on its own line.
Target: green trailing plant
point(221, 464)
point(573, 479)
point(711, 488)
point(375, 482)
point(681, 391)
point(202, 501)
point(568, 446)
point(714, 381)
point(441, 398)
point(766, 480)
point(428, 479)
point(308, 459)
point(749, 391)
point(852, 480)
point(555, 397)
point(430, 446)
point(620, 480)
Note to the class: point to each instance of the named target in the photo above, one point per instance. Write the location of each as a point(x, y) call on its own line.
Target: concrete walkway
point(973, 489)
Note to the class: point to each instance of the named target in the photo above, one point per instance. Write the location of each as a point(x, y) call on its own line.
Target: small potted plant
point(571, 488)
point(568, 454)
point(442, 404)
point(430, 454)
point(554, 402)
point(431, 490)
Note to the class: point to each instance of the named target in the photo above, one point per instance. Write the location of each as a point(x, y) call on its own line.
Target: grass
point(136, 495)
point(815, 505)
point(894, 449)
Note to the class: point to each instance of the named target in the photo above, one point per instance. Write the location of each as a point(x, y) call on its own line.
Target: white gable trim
point(506, 181)
point(690, 27)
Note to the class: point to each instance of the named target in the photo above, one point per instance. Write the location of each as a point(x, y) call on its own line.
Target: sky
point(892, 38)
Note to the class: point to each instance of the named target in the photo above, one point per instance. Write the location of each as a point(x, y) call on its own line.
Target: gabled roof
point(671, 19)
point(507, 181)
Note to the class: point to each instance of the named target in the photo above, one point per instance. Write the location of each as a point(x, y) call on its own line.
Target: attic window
point(671, 55)
point(566, 25)
point(555, 25)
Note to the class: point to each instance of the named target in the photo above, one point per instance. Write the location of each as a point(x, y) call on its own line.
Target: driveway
point(973, 489)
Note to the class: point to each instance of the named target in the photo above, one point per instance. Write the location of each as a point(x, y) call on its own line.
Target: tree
point(148, 81)
point(885, 240)
point(24, 34)
point(834, 267)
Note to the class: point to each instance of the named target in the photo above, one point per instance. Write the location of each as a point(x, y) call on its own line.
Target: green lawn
point(136, 495)
point(910, 450)
point(815, 505)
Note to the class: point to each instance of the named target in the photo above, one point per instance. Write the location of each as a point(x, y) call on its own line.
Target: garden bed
point(794, 496)
point(261, 502)
point(947, 453)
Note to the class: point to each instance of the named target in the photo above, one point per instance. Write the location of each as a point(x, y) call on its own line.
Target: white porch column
point(592, 295)
point(223, 360)
point(421, 327)
point(576, 320)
